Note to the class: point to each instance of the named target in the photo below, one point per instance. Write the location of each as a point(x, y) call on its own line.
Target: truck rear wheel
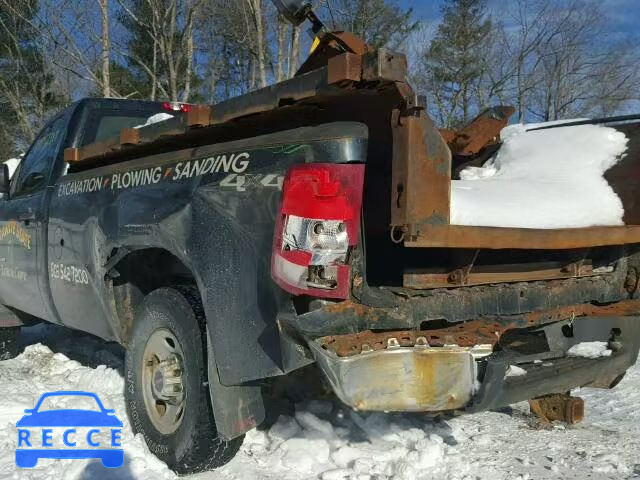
point(9, 345)
point(166, 390)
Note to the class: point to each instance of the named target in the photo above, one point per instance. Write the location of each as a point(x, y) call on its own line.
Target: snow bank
point(157, 118)
point(324, 440)
point(590, 350)
point(39, 370)
point(352, 446)
point(543, 179)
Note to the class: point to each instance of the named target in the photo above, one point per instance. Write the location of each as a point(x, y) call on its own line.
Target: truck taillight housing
point(176, 107)
point(319, 222)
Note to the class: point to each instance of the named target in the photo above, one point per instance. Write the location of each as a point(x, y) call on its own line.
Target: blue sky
point(624, 14)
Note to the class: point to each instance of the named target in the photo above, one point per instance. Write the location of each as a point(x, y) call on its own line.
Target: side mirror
point(5, 181)
point(295, 11)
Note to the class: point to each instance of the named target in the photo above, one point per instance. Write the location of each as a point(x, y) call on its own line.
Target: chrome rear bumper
point(435, 379)
point(419, 378)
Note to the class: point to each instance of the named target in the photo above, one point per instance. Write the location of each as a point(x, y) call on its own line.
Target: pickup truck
point(305, 223)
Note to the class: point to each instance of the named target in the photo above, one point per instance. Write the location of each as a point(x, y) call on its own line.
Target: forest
point(550, 59)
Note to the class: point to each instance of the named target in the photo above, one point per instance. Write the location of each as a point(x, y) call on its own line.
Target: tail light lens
point(176, 107)
point(319, 222)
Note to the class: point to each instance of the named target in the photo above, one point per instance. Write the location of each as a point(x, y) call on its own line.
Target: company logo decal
point(235, 163)
point(14, 229)
point(12, 273)
point(94, 432)
point(69, 273)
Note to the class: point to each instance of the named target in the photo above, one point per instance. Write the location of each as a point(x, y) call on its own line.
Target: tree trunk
point(154, 72)
point(167, 43)
point(189, 53)
point(106, 49)
point(283, 29)
point(260, 43)
point(519, 75)
point(295, 51)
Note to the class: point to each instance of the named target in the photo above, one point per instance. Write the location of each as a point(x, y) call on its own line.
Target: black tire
point(195, 445)
point(9, 344)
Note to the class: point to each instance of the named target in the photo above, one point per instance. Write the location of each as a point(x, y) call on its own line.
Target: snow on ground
point(550, 178)
point(325, 440)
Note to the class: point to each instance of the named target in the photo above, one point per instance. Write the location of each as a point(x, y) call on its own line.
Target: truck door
point(23, 219)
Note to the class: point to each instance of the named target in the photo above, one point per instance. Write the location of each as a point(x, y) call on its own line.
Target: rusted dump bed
point(410, 162)
point(495, 238)
point(423, 224)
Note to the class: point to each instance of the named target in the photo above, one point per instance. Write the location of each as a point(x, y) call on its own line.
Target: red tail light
point(318, 224)
point(176, 107)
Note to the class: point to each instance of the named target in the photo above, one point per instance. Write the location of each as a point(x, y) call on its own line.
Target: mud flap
point(236, 409)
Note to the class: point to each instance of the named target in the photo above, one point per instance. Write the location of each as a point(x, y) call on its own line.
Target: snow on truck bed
point(326, 440)
point(551, 178)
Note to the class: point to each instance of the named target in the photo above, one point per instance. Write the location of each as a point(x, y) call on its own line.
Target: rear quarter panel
point(212, 207)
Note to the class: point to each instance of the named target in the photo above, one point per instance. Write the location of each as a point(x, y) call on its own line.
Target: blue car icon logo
point(35, 432)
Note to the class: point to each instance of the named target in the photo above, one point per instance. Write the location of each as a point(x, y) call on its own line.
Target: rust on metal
point(467, 334)
point(421, 175)
point(353, 43)
point(558, 408)
point(622, 308)
point(349, 306)
point(129, 136)
point(77, 155)
point(71, 155)
point(458, 236)
point(480, 132)
point(332, 44)
point(310, 90)
point(482, 331)
point(344, 68)
point(487, 274)
point(199, 116)
point(384, 65)
point(448, 135)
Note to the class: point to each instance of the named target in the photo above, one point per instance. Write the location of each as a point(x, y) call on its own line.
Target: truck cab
point(24, 211)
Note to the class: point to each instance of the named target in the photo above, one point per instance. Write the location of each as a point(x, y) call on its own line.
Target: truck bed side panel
point(211, 207)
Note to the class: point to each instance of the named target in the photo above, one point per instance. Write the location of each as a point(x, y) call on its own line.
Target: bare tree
point(378, 22)
point(578, 74)
point(533, 26)
point(255, 14)
point(283, 31)
point(28, 91)
point(168, 27)
point(456, 60)
point(550, 58)
point(294, 57)
point(76, 44)
point(106, 48)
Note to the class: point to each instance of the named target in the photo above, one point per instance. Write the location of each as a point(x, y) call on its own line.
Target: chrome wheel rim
point(163, 388)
